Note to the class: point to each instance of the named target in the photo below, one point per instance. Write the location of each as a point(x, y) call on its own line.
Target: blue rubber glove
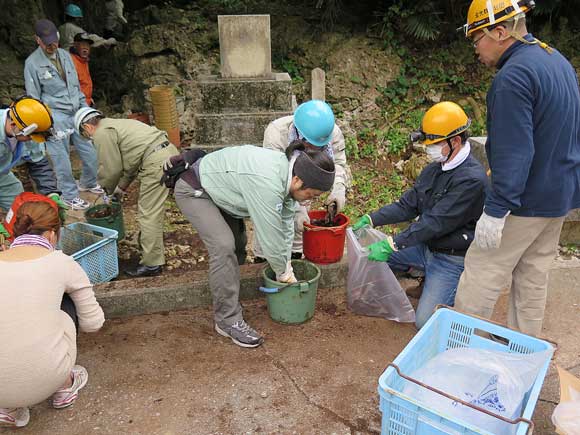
point(382, 250)
point(362, 222)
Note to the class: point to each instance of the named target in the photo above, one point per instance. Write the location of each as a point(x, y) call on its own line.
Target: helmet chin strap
point(451, 150)
point(512, 33)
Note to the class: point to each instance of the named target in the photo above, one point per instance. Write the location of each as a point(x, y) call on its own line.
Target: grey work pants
point(225, 239)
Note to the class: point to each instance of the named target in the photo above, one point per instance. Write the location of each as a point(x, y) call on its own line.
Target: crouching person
point(45, 297)
point(448, 200)
point(221, 189)
point(129, 149)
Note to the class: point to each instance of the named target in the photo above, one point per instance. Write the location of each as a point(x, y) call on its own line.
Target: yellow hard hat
point(32, 117)
point(485, 13)
point(442, 121)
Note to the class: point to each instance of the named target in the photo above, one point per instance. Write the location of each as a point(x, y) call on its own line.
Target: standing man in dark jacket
point(533, 148)
point(448, 199)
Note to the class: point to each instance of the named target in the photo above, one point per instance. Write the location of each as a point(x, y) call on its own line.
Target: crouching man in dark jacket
point(447, 198)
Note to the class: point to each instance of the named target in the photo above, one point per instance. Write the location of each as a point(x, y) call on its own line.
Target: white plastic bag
point(372, 289)
point(566, 416)
point(495, 381)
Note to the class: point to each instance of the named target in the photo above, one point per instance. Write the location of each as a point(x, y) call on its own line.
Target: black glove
point(177, 165)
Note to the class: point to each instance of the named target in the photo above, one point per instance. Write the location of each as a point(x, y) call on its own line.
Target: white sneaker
point(97, 189)
point(76, 203)
point(66, 396)
point(15, 417)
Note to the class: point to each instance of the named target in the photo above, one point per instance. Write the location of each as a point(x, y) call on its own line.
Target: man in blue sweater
point(533, 148)
point(447, 198)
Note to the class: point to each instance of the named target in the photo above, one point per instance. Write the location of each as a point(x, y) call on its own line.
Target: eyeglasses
point(476, 41)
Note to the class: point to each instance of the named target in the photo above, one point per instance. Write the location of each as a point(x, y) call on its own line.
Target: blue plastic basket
point(448, 329)
point(94, 248)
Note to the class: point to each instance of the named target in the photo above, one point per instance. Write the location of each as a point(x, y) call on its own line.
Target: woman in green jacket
point(221, 189)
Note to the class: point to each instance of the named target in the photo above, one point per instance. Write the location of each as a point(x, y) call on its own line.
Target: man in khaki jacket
point(128, 149)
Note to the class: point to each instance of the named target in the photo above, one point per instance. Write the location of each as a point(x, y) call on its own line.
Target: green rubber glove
point(382, 250)
point(4, 232)
point(62, 207)
point(362, 222)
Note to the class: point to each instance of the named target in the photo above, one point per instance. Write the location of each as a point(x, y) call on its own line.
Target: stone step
point(232, 128)
point(245, 96)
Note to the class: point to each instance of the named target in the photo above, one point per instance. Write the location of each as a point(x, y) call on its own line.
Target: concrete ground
point(171, 374)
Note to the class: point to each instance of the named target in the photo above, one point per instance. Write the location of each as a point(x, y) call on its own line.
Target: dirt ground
point(171, 374)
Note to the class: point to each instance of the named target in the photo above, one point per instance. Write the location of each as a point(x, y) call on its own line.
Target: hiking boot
point(76, 203)
point(241, 333)
point(97, 189)
point(145, 271)
point(14, 417)
point(66, 396)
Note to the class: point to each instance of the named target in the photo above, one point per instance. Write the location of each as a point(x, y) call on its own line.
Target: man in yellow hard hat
point(447, 198)
point(24, 127)
point(533, 149)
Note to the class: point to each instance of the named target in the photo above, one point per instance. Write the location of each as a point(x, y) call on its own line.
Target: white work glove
point(300, 218)
point(288, 275)
point(338, 195)
point(488, 231)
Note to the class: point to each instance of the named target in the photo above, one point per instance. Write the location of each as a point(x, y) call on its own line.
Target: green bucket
point(292, 303)
point(113, 221)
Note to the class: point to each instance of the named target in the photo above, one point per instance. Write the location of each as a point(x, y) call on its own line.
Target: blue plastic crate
point(448, 329)
point(94, 248)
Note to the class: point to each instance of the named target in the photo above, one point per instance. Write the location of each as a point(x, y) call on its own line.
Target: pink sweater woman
point(44, 293)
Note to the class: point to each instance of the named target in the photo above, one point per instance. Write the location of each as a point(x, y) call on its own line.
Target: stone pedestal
point(236, 112)
point(245, 47)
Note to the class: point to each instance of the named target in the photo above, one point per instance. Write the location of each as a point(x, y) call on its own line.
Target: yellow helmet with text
point(32, 117)
point(485, 13)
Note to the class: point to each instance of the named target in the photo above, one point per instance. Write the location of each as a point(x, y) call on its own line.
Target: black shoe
point(145, 271)
point(296, 256)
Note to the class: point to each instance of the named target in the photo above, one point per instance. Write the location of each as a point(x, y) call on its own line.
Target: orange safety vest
point(82, 67)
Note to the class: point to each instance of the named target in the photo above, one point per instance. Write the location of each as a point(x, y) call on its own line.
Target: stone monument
point(237, 105)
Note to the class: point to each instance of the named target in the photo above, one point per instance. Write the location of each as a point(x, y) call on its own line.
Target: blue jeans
point(10, 187)
point(442, 273)
point(59, 151)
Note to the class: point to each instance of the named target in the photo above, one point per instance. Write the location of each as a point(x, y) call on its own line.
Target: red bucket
point(324, 245)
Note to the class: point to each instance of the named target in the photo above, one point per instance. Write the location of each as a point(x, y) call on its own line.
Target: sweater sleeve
point(80, 289)
point(510, 143)
point(273, 222)
point(446, 216)
point(405, 209)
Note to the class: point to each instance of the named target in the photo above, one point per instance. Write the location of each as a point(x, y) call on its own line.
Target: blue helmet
point(73, 10)
point(315, 121)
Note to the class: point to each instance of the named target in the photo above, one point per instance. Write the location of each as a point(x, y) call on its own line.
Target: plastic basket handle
point(530, 423)
point(438, 306)
point(270, 290)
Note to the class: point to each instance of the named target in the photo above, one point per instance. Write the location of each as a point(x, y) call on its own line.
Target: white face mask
point(435, 154)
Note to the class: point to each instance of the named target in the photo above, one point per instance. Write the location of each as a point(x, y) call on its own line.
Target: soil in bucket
point(323, 243)
point(293, 303)
point(107, 216)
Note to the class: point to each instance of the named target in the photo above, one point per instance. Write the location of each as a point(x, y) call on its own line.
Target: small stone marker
point(245, 47)
point(318, 84)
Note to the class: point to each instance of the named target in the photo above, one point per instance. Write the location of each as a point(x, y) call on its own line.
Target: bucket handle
point(304, 288)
